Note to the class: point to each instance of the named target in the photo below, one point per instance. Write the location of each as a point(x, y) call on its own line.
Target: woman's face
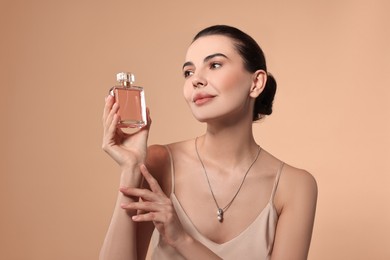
point(217, 86)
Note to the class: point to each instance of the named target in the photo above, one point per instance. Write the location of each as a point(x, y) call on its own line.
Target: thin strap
point(276, 181)
point(172, 169)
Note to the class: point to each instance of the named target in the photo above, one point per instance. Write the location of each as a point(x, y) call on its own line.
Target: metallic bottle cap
point(125, 77)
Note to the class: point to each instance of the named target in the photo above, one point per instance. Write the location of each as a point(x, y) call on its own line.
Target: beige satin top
point(255, 242)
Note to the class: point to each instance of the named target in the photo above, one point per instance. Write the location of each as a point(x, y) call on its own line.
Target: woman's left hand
point(155, 206)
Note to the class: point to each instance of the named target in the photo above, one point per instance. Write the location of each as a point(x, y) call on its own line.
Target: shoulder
point(158, 151)
point(296, 187)
point(160, 155)
point(160, 158)
point(296, 178)
point(156, 155)
point(295, 201)
point(158, 164)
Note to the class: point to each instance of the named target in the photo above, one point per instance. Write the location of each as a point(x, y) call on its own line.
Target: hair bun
point(263, 103)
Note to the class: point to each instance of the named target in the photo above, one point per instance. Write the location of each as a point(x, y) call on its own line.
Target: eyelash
point(213, 65)
point(187, 73)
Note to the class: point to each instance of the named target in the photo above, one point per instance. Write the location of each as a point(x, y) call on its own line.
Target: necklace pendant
point(220, 215)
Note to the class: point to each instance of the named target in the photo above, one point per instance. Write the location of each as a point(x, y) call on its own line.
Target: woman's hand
point(122, 147)
point(155, 206)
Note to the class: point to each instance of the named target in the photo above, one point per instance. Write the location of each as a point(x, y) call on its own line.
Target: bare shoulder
point(182, 147)
point(298, 178)
point(158, 164)
point(160, 158)
point(291, 176)
point(159, 155)
point(295, 201)
point(297, 187)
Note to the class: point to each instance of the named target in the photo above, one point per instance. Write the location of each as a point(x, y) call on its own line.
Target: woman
point(218, 196)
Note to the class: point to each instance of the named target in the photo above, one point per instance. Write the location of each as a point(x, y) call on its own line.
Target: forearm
point(120, 240)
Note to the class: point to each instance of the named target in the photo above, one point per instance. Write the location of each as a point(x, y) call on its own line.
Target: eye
point(215, 65)
point(187, 73)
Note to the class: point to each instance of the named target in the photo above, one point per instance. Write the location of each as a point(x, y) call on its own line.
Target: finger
point(144, 206)
point(112, 112)
point(112, 127)
point(111, 117)
point(110, 131)
point(145, 194)
point(109, 100)
point(153, 184)
point(149, 216)
point(164, 215)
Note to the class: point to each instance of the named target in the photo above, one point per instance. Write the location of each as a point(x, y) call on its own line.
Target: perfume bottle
point(131, 101)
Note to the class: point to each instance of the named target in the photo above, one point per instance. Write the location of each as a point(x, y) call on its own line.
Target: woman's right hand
point(125, 149)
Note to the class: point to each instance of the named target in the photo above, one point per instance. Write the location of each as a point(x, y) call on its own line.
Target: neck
point(228, 145)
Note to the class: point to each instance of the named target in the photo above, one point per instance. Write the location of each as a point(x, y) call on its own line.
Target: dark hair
point(253, 58)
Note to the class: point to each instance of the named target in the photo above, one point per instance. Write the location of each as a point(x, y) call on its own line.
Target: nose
point(199, 82)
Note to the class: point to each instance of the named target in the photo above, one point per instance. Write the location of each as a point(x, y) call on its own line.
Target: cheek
point(236, 84)
point(187, 92)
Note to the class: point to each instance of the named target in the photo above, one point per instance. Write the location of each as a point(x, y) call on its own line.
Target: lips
point(202, 98)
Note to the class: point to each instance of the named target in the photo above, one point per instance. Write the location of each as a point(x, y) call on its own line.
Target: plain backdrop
point(58, 59)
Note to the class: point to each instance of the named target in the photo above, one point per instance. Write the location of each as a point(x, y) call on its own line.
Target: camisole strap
point(276, 182)
point(172, 169)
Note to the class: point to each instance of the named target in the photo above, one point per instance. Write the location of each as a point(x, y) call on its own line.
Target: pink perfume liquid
point(131, 101)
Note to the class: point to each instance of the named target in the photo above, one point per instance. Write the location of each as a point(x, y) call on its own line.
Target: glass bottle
point(131, 101)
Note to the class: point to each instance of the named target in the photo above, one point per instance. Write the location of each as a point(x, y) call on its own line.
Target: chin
point(201, 118)
point(206, 118)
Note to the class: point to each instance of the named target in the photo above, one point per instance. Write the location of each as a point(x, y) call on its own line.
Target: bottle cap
point(125, 77)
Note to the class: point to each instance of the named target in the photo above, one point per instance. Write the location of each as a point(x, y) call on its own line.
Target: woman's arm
point(127, 239)
point(155, 207)
point(298, 197)
point(120, 240)
point(129, 151)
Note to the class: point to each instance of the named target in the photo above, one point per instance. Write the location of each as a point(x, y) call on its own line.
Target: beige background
point(59, 58)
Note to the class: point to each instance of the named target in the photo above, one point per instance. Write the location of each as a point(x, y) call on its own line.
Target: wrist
point(130, 175)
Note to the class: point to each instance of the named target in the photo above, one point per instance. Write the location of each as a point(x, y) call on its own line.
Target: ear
point(258, 83)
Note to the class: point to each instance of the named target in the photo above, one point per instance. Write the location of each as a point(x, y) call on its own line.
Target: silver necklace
point(222, 210)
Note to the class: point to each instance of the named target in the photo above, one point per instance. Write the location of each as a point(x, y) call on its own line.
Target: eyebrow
point(209, 57)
